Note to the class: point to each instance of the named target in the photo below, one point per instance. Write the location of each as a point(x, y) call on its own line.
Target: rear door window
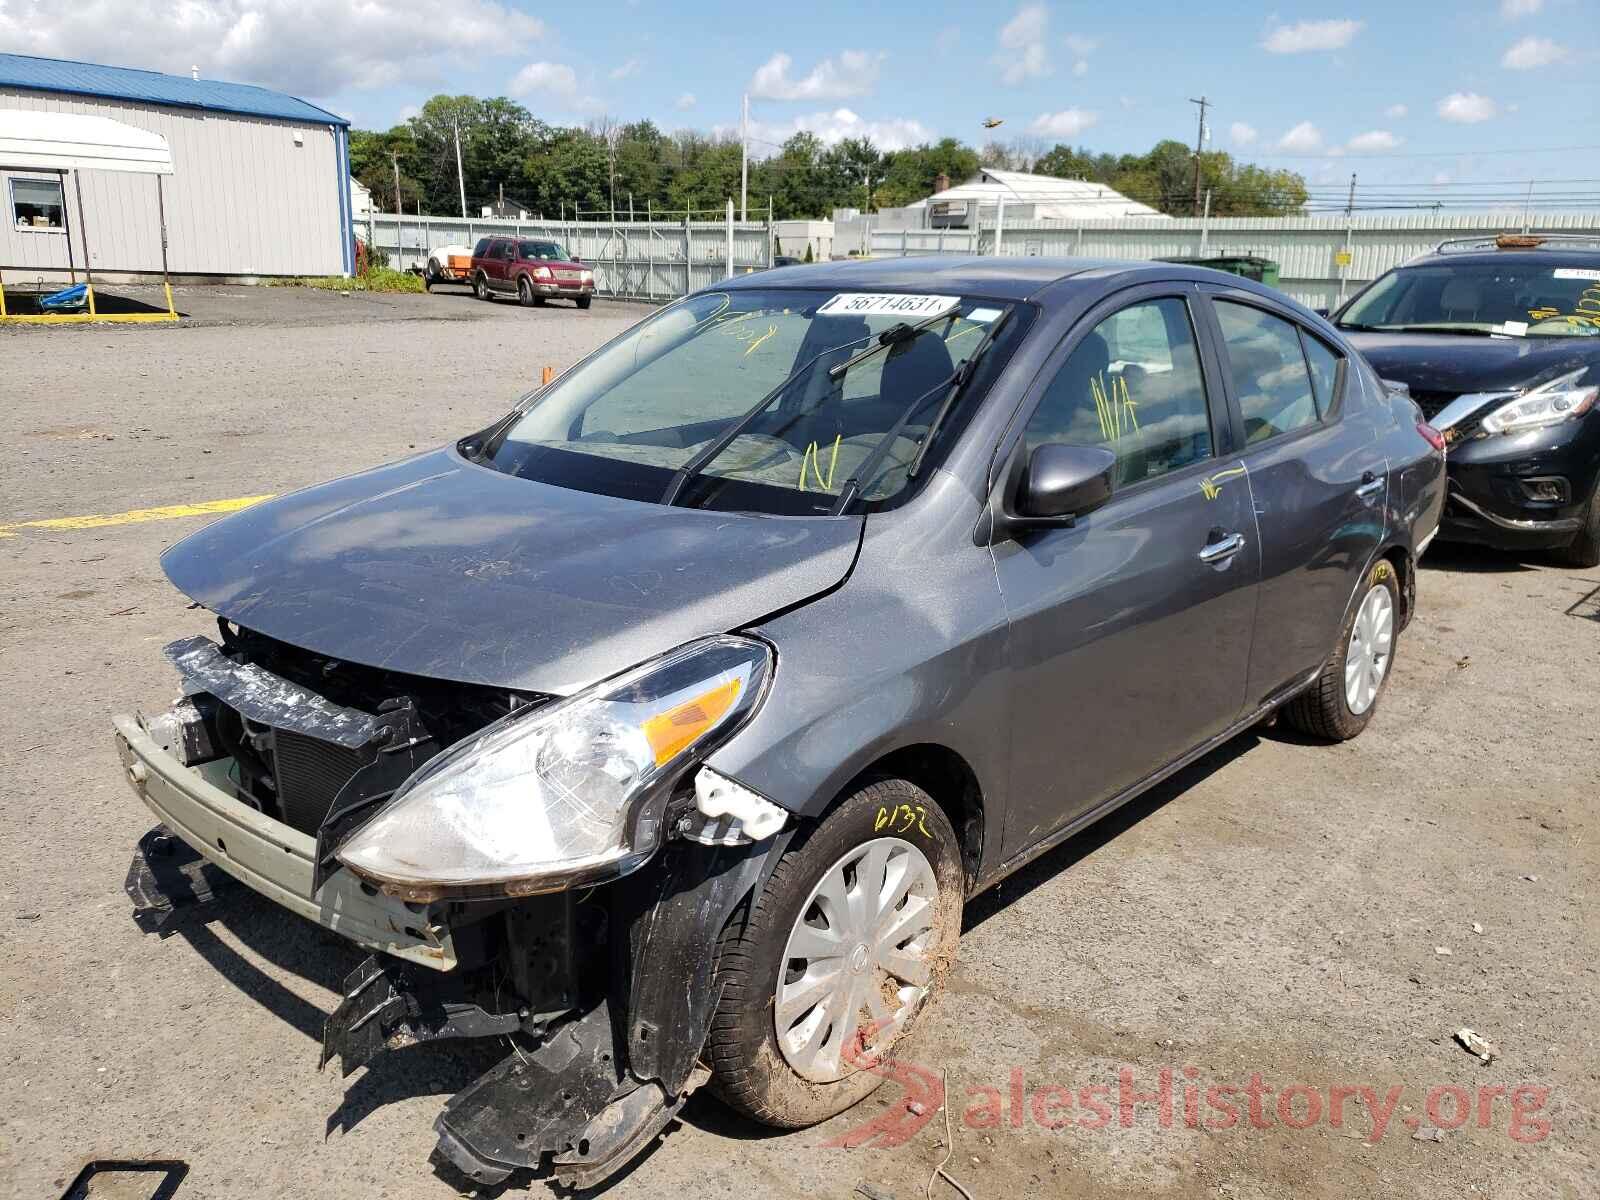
point(1269, 372)
point(1325, 375)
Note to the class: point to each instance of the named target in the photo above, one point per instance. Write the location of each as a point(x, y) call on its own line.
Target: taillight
point(1433, 436)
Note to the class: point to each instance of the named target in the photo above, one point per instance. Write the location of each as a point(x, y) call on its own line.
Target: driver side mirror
point(1058, 484)
point(576, 259)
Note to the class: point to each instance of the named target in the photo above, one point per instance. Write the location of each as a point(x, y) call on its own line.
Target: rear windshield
point(1512, 299)
point(767, 400)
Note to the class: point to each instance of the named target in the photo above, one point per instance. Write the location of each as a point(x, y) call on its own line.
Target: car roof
point(1004, 277)
point(1552, 255)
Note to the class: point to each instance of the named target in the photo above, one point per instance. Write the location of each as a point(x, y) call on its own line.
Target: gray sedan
point(663, 728)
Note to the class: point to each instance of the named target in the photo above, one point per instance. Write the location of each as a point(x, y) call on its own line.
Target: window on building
point(38, 204)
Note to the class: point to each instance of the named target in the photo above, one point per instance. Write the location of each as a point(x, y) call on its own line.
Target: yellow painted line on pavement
point(164, 513)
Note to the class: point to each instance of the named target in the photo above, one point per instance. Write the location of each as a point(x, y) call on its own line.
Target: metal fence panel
point(1306, 249)
point(637, 260)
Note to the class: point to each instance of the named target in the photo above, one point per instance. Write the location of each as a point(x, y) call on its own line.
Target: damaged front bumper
point(603, 998)
point(196, 805)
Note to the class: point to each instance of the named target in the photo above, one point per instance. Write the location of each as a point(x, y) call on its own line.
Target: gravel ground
point(1320, 916)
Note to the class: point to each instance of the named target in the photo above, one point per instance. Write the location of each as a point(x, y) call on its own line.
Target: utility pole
point(1350, 205)
point(395, 158)
point(1199, 144)
point(744, 161)
point(461, 178)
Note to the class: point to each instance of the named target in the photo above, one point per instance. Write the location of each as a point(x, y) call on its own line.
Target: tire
point(751, 1069)
point(583, 301)
point(1584, 550)
point(524, 292)
point(480, 287)
point(430, 276)
point(1325, 709)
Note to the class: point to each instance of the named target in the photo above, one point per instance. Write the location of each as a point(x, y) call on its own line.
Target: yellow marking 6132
point(902, 818)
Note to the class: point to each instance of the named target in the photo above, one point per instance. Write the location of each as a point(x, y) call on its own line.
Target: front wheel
point(583, 301)
point(524, 292)
point(430, 276)
point(1341, 701)
point(837, 957)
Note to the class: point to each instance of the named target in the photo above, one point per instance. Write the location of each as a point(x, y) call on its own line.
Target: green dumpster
point(1249, 266)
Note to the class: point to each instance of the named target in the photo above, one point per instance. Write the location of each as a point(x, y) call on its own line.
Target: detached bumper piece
point(570, 1100)
point(166, 876)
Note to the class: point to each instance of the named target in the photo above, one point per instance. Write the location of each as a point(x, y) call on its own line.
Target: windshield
point(1514, 299)
point(764, 400)
point(542, 251)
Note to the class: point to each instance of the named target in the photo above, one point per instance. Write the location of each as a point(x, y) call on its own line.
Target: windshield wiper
point(1463, 330)
point(892, 336)
point(723, 440)
point(953, 384)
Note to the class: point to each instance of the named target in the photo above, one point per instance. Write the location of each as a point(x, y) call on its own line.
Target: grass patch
point(382, 279)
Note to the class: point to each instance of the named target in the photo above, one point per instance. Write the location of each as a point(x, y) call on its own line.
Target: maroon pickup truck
point(531, 269)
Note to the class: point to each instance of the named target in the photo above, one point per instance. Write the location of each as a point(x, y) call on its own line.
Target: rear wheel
point(1584, 550)
point(480, 287)
point(837, 957)
point(1341, 701)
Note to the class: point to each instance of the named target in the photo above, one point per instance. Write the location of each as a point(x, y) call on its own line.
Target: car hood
point(1443, 362)
point(439, 567)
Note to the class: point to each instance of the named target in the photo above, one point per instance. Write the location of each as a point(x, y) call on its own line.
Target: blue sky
point(1410, 96)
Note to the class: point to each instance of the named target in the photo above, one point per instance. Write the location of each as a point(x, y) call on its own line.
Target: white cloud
point(1080, 45)
point(948, 40)
point(1068, 123)
point(555, 79)
point(1022, 55)
point(889, 133)
point(853, 73)
point(1533, 52)
point(315, 48)
point(1395, 111)
point(1081, 67)
point(1304, 138)
point(1467, 108)
point(407, 112)
point(1242, 134)
point(1311, 35)
point(1512, 9)
point(685, 102)
point(626, 69)
point(1377, 141)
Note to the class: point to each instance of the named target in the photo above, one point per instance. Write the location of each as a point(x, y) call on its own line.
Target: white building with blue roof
point(259, 184)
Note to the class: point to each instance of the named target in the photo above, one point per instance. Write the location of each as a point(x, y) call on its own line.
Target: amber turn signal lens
point(671, 732)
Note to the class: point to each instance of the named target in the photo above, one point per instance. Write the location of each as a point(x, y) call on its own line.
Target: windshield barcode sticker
point(889, 304)
point(1578, 273)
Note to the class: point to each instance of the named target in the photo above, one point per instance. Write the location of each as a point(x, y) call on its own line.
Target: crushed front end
point(551, 873)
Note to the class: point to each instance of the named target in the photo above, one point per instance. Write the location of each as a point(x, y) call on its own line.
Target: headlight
point(1554, 402)
point(541, 272)
point(569, 793)
point(588, 277)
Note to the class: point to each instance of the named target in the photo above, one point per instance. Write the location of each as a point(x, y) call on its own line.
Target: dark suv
point(1498, 340)
point(531, 269)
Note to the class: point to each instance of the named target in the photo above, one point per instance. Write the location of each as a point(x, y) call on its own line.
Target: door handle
point(1216, 552)
point(1371, 485)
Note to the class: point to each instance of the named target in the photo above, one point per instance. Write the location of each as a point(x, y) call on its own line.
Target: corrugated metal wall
point(1305, 248)
point(658, 260)
point(243, 199)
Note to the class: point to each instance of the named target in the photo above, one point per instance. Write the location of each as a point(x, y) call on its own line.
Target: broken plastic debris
point(1486, 1050)
point(740, 815)
point(1476, 928)
point(1441, 950)
point(1428, 1133)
